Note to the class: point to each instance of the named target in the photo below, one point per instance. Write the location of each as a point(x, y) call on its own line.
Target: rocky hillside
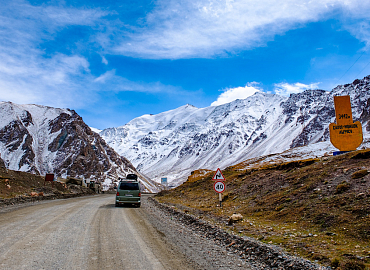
point(313, 208)
point(40, 140)
point(20, 187)
point(174, 143)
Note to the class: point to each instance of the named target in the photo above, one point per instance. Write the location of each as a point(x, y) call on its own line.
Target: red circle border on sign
point(214, 186)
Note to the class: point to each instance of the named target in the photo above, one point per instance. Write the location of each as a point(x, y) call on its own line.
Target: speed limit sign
point(219, 186)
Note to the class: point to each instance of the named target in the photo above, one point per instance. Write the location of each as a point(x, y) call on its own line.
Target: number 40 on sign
point(219, 186)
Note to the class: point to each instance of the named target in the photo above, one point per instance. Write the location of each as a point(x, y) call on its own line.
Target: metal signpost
point(219, 186)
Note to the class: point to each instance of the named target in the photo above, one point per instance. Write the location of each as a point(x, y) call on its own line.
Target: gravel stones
point(248, 249)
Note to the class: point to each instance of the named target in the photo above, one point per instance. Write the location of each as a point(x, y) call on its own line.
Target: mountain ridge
point(174, 143)
point(40, 139)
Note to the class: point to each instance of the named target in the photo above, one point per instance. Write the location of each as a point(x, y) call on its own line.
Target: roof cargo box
point(131, 176)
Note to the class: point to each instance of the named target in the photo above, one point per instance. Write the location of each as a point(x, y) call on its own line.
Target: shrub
point(335, 263)
point(279, 208)
point(359, 174)
point(325, 220)
point(163, 193)
point(342, 187)
point(362, 155)
point(353, 265)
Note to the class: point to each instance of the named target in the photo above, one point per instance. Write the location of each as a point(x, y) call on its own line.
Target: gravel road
point(91, 233)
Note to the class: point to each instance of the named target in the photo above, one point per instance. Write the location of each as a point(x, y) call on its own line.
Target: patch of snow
point(95, 130)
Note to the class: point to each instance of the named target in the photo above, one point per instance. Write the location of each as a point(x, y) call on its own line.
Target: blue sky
point(112, 61)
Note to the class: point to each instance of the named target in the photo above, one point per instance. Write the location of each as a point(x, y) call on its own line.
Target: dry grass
point(312, 208)
point(16, 183)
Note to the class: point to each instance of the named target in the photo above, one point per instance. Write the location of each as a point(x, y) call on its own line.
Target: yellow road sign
point(345, 135)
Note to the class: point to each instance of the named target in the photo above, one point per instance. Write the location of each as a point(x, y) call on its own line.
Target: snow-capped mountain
point(40, 140)
point(173, 143)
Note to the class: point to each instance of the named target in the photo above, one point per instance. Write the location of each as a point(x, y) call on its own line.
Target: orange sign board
point(345, 135)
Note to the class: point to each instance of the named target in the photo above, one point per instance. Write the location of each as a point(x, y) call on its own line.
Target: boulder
point(235, 218)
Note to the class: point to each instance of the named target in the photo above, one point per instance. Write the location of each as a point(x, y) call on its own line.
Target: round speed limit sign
point(219, 186)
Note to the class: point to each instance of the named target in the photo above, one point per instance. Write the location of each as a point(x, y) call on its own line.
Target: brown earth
point(21, 186)
point(318, 209)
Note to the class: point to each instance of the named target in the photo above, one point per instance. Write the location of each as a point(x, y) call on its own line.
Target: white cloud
point(208, 28)
point(118, 83)
point(285, 89)
point(173, 30)
point(55, 81)
point(361, 30)
point(232, 94)
point(105, 77)
point(27, 73)
point(104, 60)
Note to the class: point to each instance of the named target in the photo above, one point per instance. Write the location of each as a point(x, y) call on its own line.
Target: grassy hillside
point(318, 208)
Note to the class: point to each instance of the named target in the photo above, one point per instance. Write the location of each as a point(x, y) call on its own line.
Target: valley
point(189, 135)
point(298, 205)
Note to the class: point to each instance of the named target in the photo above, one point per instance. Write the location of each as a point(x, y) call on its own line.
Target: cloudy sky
point(112, 60)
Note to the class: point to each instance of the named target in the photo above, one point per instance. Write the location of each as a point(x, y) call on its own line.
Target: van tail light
point(139, 194)
point(117, 193)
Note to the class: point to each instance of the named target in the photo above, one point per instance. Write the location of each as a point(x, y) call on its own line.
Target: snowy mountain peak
point(174, 143)
point(40, 114)
point(40, 139)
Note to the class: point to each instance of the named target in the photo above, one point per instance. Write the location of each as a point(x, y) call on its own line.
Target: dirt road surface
point(91, 233)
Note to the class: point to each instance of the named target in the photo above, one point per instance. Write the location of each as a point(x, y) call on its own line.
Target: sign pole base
point(220, 199)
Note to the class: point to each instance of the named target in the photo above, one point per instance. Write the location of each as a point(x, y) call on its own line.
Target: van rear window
point(129, 186)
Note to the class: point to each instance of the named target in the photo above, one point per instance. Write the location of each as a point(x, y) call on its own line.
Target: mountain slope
point(40, 140)
point(315, 208)
point(173, 143)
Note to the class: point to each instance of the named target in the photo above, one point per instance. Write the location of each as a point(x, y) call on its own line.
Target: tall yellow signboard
point(345, 135)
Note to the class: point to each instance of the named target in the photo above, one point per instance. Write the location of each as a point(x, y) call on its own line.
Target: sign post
point(219, 186)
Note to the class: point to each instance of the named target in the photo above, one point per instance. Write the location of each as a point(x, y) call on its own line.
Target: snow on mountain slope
point(95, 130)
point(304, 152)
point(40, 140)
point(172, 144)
